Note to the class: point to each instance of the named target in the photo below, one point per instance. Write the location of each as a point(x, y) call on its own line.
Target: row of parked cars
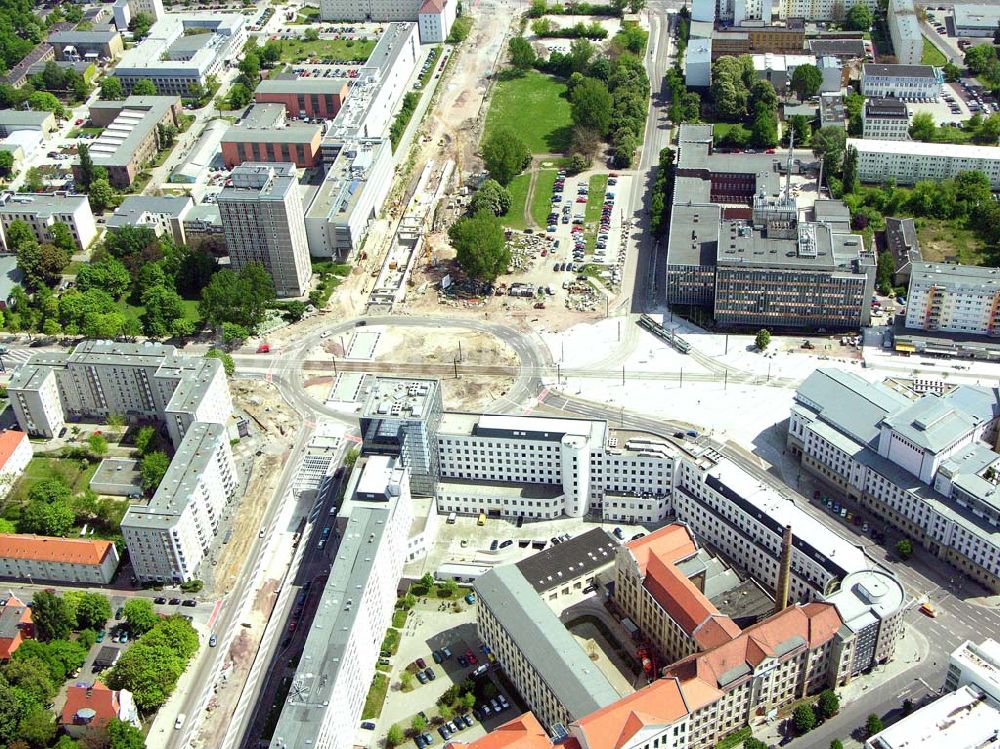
point(494, 706)
point(460, 723)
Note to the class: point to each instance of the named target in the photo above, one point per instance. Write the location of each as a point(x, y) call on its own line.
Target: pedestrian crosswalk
point(15, 357)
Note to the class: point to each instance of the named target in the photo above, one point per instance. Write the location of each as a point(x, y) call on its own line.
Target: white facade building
point(698, 63)
point(954, 299)
point(910, 161)
point(339, 658)
point(959, 720)
point(15, 454)
point(125, 10)
point(369, 10)
point(41, 211)
point(435, 19)
point(885, 119)
point(907, 82)
point(822, 10)
point(263, 222)
point(703, 10)
point(977, 666)
point(904, 30)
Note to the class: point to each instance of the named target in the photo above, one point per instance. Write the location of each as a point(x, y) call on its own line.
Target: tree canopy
point(806, 81)
point(491, 196)
point(240, 298)
point(479, 245)
point(505, 155)
point(591, 105)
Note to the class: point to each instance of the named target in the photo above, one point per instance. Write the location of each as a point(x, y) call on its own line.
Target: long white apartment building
point(904, 30)
point(923, 464)
point(822, 10)
point(897, 81)
point(328, 691)
point(954, 299)
point(911, 161)
point(42, 211)
point(168, 537)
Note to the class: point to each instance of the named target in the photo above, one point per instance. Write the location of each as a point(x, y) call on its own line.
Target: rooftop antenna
point(788, 164)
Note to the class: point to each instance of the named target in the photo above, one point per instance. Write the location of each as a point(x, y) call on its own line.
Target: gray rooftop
point(137, 118)
point(746, 604)
point(83, 37)
point(23, 117)
point(901, 238)
point(134, 207)
point(260, 181)
point(581, 555)
point(953, 273)
point(694, 234)
point(265, 123)
point(931, 423)
point(843, 48)
point(42, 205)
point(898, 71)
point(576, 682)
point(399, 398)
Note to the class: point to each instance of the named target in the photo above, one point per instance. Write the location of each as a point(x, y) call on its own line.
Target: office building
point(698, 63)
point(976, 20)
point(17, 120)
point(570, 566)
point(131, 135)
point(338, 660)
point(400, 418)
point(435, 19)
point(656, 591)
point(125, 10)
point(907, 82)
point(264, 136)
point(904, 30)
point(822, 10)
point(871, 604)
point(164, 215)
point(958, 720)
point(91, 46)
point(832, 112)
point(954, 299)
point(901, 240)
point(885, 119)
point(909, 161)
point(546, 665)
point(42, 211)
point(976, 665)
point(183, 49)
point(57, 560)
point(756, 38)
point(262, 218)
point(922, 464)
point(313, 98)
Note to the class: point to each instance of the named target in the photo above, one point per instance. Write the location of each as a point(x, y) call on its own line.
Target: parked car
point(470, 599)
point(189, 602)
point(436, 655)
point(368, 725)
point(160, 600)
point(421, 677)
point(173, 602)
point(430, 673)
point(421, 663)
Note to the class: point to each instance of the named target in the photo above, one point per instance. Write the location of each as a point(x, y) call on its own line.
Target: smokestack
point(785, 572)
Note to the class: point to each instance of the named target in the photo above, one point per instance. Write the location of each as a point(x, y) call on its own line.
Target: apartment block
point(263, 222)
point(59, 560)
point(756, 38)
point(922, 463)
point(164, 215)
point(315, 98)
point(125, 10)
point(15, 454)
point(954, 299)
point(541, 658)
point(907, 82)
point(338, 660)
point(264, 136)
point(87, 45)
point(41, 211)
point(885, 119)
point(822, 10)
point(904, 30)
point(369, 10)
point(910, 161)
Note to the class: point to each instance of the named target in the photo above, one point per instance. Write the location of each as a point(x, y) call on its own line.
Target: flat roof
point(898, 71)
point(260, 181)
point(885, 106)
point(265, 123)
point(919, 148)
point(43, 205)
point(135, 207)
point(976, 16)
point(953, 273)
point(959, 720)
point(580, 555)
point(400, 397)
point(577, 683)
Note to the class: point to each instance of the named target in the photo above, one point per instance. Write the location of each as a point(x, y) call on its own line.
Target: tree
point(764, 131)
point(112, 89)
point(479, 245)
point(850, 170)
point(98, 444)
point(522, 54)
point(836, 744)
point(152, 469)
point(591, 105)
point(62, 237)
point(806, 81)
point(978, 58)
point(394, 736)
point(491, 196)
point(752, 743)
point(140, 24)
point(828, 143)
point(149, 672)
point(38, 727)
point(227, 361)
point(874, 725)
point(239, 96)
point(763, 339)
point(33, 181)
point(162, 307)
point(446, 712)
point(144, 87)
point(175, 633)
point(804, 719)
point(51, 617)
point(907, 706)
point(505, 155)
point(923, 127)
point(46, 519)
point(581, 52)
point(139, 614)
point(108, 273)
point(146, 439)
point(885, 271)
point(624, 151)
point(43, 101)
point(904, 548)
point(418, 723)
point(124, 735)
point(427, 580)
point(93, 611)
point(859, 18)
point(311, 35)
point(65, 742)
point(450, 587)
point(101, 194)
point(6, 163)
point(828, 704)
point(270, 53)
point(31, 675)
point(989, 131)
point(952, 73)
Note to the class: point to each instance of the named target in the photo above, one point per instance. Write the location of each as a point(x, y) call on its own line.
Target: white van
point(180, 721)
point(452, 518)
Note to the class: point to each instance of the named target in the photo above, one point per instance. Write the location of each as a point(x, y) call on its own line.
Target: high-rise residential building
point(904, 30)
point(954, 299)
point(263, 221)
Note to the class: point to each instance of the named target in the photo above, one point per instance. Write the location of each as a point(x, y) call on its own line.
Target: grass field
point(376, 697)
point(541, 203)
point(943, 241)
point(534, 106)
point(298, 50)
point(518, 187)
point(190, 309)
point(721, 129)
point(40, 468)
point(932, 55)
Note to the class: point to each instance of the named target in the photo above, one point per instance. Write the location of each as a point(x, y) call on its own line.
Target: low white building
point(125, 10)
point(909, 161)
point(698, 63)
point(59, 560)
point(954, 299)
point(41, 211)
point(907, 82)
point(904, 30)
point(885, 119)
point(164, 215)
point(976, 20)
point(703, 10)
point(435, 19)
point(15, 454)
point(977, 666)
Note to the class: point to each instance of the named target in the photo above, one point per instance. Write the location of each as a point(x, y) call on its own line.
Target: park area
point(536, 107)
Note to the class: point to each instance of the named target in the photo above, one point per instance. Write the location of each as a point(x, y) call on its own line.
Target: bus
point(482, 518)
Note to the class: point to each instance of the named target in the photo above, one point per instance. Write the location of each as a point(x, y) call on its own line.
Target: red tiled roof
point(53, 549)
point(523, 732)
point(611, 727)
point(99, 698)
point(433, 6)
point(16, 622)
point(10, 439)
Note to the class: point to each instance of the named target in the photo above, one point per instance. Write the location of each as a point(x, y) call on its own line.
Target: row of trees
point(546, 29)
point(663, 193)
point(541, 8)
point(255, 58)
point(985, 130)
point(806, 716)
point(66, 81)
point(52, 509)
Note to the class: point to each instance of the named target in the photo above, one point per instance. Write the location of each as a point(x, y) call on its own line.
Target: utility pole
point(725, 381)
point(460, 349)
point(727, 344)
point(682, 377)
point(623, 375)
point(455, 362)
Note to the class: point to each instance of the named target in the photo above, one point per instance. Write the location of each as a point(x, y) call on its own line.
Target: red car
point(79, 122)
point(471, 658)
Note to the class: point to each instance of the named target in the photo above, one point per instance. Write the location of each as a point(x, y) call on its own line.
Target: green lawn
point(308, 14)
point(77, 132)
point(190, 309)
point(41, 468)
point(944, 241)
point(534, 106)
point(721, 129)
point(518, 187)
point(376, 697)
point(541, 203)
point(932, 55)
point(298, 50)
